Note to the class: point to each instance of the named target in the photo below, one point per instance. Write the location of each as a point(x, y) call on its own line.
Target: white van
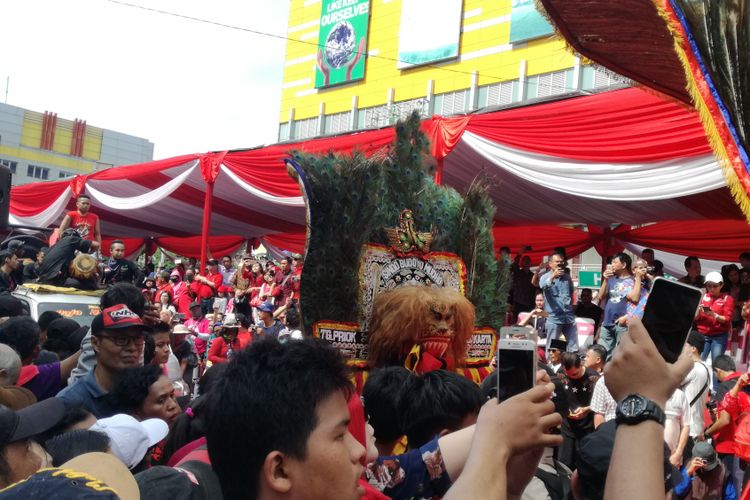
point(80, 305)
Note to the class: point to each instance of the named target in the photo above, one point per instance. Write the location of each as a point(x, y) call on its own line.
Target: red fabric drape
point(31, 199)
point(444, 133)
point(264, 168)
point(140, 170)
point(607, 239)
point(543, 239)
point(210, 164)
point(716, 240)
point(293, 242)
point(627, 125)
point(131, 244)
point(191, 247)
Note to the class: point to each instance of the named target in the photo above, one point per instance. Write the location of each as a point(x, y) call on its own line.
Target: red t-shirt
point(205, 291)
point(84, 224)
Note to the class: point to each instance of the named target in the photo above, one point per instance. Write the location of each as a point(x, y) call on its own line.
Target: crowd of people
point(704, 416)
point(200, 383)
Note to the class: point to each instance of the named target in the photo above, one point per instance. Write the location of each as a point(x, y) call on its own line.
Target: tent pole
point(439, 172)
point(207, 207)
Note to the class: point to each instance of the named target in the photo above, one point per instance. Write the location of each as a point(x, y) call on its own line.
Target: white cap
point(714, 277)
point(129, 438)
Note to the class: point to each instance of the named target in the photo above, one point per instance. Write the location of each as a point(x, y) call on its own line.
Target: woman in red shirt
point(226, 344)
point(714, 319)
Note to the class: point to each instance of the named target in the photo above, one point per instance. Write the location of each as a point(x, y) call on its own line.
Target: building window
point(284, 132)
point(63, 174)
point(304, 129)
point(37, 172)
point(452, 103)
point(12, 165)
point(338, 122)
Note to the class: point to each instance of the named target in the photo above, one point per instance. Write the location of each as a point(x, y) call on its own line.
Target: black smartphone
point(669, 314)
point(516, 367)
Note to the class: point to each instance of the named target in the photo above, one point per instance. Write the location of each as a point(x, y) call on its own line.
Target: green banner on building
point(342, 42)
point(526, 23)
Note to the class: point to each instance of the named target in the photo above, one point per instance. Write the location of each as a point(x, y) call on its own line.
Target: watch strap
point(651, 411)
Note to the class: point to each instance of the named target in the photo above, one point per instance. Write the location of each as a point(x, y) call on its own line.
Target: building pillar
point(354, 116)
point(389, 105)
point(474, 91)
point(292, 135)
point(430, 98)
point(321, 119)
point(577, 73)
point(522, 68)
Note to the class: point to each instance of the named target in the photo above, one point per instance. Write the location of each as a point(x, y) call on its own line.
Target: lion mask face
point(439, 329)
point(441, 321)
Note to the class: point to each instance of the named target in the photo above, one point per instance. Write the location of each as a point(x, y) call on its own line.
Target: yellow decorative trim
point(706, 117)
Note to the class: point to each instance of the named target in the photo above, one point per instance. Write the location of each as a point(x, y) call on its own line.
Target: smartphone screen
point(668, 315)
point(516, 370)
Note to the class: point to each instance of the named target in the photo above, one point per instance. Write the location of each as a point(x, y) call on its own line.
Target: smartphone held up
point(516, 367)
point(668, 315)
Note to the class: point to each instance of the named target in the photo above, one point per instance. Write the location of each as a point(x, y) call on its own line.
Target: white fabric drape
point(46, 217)
point(141, 201)
point(616, 182)
point(295, 201)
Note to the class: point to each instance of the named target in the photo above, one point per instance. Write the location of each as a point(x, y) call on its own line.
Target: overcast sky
point(186, 86)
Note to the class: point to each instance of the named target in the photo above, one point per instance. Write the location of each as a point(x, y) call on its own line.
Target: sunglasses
point(122, 341)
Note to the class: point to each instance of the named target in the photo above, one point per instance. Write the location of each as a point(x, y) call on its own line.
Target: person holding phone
point(617, 283)
point(704, 476)
point(558, 289)
point(714, 319)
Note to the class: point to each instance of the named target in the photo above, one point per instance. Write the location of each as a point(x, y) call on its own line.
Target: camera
point(650, 269)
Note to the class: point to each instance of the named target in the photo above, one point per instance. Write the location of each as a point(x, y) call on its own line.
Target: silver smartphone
point(516, 367)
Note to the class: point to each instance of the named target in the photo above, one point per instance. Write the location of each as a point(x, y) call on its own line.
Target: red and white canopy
point(625, 157)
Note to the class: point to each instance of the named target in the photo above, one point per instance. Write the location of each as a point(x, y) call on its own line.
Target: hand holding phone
point(516, 367)
point(668, 315)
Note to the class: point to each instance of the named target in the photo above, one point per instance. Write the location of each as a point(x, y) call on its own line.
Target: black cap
point(32, 420)
point(193, 480)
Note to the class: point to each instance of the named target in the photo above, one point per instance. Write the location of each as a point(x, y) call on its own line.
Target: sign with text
point(589, 279)
point(342, 42)
point(430, 31)
point(347, 338)
point(481, 347)
point(381, 269)
point(526, 23)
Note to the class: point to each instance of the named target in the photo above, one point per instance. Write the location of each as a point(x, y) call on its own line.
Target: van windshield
point(83, 314)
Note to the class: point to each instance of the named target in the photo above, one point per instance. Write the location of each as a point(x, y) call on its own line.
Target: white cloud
point(186, 86)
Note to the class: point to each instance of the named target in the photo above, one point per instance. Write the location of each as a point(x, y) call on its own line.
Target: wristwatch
point(635, 409)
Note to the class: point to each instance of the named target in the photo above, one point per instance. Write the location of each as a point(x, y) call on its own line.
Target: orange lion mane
point(400, 315)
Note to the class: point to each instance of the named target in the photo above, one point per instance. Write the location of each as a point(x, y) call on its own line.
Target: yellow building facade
point(38, 146)
point(489, 69)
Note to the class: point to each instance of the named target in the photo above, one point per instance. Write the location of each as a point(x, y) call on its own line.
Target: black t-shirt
point(591, 311)
point(578, 392)
point(122, 271)
point(7, 282)
point(55, 265)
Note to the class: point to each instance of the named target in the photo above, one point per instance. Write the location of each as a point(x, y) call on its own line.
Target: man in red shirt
point(209, 285)
point(84, 222)
point(722, 429)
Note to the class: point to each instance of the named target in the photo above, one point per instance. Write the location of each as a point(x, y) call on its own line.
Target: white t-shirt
point(602, 401)
point(697, 380)
point(677, 411)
